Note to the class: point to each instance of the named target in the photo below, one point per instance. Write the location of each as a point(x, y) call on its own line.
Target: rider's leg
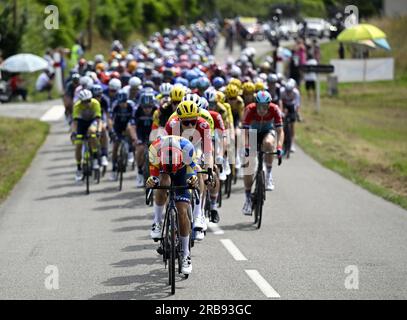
point(104, 141)
point(140, 157)
point(160, 199)
point(78, 155)
point(114, 155)
point(268, 146)
point(93, 140)
point(184, 226)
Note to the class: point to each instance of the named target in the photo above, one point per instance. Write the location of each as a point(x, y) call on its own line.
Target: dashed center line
point(262, 283)
point(233, 250)
point(54, 114)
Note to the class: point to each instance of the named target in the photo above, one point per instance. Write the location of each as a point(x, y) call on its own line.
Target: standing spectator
point(310, 78)
point(294, 67)
point(341, 51)
point(45, 82)
point(17, 86)
point(229, 35)
point(76, 52)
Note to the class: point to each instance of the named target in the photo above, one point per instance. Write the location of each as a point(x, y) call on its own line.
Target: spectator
point(341, 51)
point(45, 82)
point(17, 86)
point(76, 52)
point(310, 78)
point(316, 51)
point(294, 67)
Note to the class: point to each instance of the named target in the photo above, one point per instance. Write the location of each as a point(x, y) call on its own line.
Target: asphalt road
point(316, 227)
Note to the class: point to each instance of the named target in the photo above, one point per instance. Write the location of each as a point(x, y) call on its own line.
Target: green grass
point(19, 142)
point(361, 134)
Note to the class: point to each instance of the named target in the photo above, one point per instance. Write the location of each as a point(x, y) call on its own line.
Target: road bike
point(170, 244)
point(87, 160)
point(259, 195)
point(122, 158)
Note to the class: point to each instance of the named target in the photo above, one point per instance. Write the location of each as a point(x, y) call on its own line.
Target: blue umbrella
point(382, 43)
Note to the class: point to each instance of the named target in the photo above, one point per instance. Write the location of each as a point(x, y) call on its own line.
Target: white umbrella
point(24, 62)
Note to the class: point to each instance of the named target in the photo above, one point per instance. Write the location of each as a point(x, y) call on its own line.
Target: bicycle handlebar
point(174, 188)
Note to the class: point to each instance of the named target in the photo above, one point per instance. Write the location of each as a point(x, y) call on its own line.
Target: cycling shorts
point(180, 180)
point(84, 125)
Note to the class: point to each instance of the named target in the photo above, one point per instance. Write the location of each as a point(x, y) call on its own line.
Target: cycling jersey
point(290, 99)
point(237, 106)
point(123, 116)
point(253, 120)
point(87, 112)
point(143, 124)
point(161, 116)
point(181, 176)
point(203, 114)
point(202, 139)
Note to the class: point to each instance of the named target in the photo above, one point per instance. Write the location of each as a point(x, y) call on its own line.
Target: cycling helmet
point(114, 75)
point(290, 85)
point(86, 82)
point(100, 66)
point(218, 82)
point(204, 104)
point(122, 96)
point(272, 77)
point(192, 97)
point(203, 83)
point(139, 73)
point(147, 99)
point(210, 95)
point(236, 82)
point(182, 81)
point(232, 91)
point(165, 89)
point(260, 86)
point(148, 84)
point(191, 74)
point(263, 97)
point(249, 87)
point(85, 95)
point(220, 97)
point(76, 76)
point(187, 109)
point(99, 58)
point(115, 84)
point(194, 83)
point(177, 93)
point(134, 82)
point(171, 159)
point(97, 90)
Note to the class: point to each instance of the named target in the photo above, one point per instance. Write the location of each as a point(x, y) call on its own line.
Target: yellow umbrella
point(361, 32)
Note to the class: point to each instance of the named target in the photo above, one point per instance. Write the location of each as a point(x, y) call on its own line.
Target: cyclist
point(162, 114)
point(86, 121)
point(249, 89)
point(290, 105)
point(165, 91)
point(173, 155)
point(190, 125)
point(121, 124)
point(274, 88)
point(133, 88)
point(143, 120)
point(97, 92)
point(237, 105)
point(261, 116)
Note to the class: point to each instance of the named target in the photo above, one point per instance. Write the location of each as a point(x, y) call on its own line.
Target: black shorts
point(261, 135)
point(310, 85)
point(83, 126)
point(179, 180)
point(143, 135)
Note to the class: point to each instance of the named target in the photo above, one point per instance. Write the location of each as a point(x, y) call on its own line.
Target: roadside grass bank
point(19, 142)
point(361, 134)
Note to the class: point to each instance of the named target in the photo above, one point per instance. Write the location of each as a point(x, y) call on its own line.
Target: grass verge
point(19, 142)
point(361, 135)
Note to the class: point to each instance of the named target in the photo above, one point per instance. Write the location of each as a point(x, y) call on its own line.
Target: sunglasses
point(86, 101)
point(188, 123)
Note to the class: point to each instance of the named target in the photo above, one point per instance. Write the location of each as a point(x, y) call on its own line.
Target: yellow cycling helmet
point(260, 86)
point(236, 82)
point(232, 91)
point(220, 97)
point(249, 87)
point(177, 93)
point(187, 109)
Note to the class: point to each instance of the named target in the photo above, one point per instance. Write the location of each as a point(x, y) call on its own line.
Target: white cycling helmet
point(165, 88)
point(290, 85)
point(134, 82)
point(85, 95)
point(99, 58)
point(115, 84)
point(86, 82)
point(193, 97)
point(210, 94)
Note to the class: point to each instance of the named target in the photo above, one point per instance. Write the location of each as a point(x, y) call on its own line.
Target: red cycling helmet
point(171, 159)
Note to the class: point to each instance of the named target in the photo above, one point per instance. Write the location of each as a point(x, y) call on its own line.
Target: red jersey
point(199, 136)
point(253, 120)
point(217, 120)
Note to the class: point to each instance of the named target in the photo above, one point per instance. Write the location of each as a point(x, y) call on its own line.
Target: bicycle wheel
point(260, 198)
point(172, 256)
point(287, 140)
point(87, 170)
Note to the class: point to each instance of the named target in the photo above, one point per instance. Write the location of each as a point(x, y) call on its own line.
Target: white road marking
point(262, 283)
point(233, 250)
point(215, 228)
point(54, 114)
